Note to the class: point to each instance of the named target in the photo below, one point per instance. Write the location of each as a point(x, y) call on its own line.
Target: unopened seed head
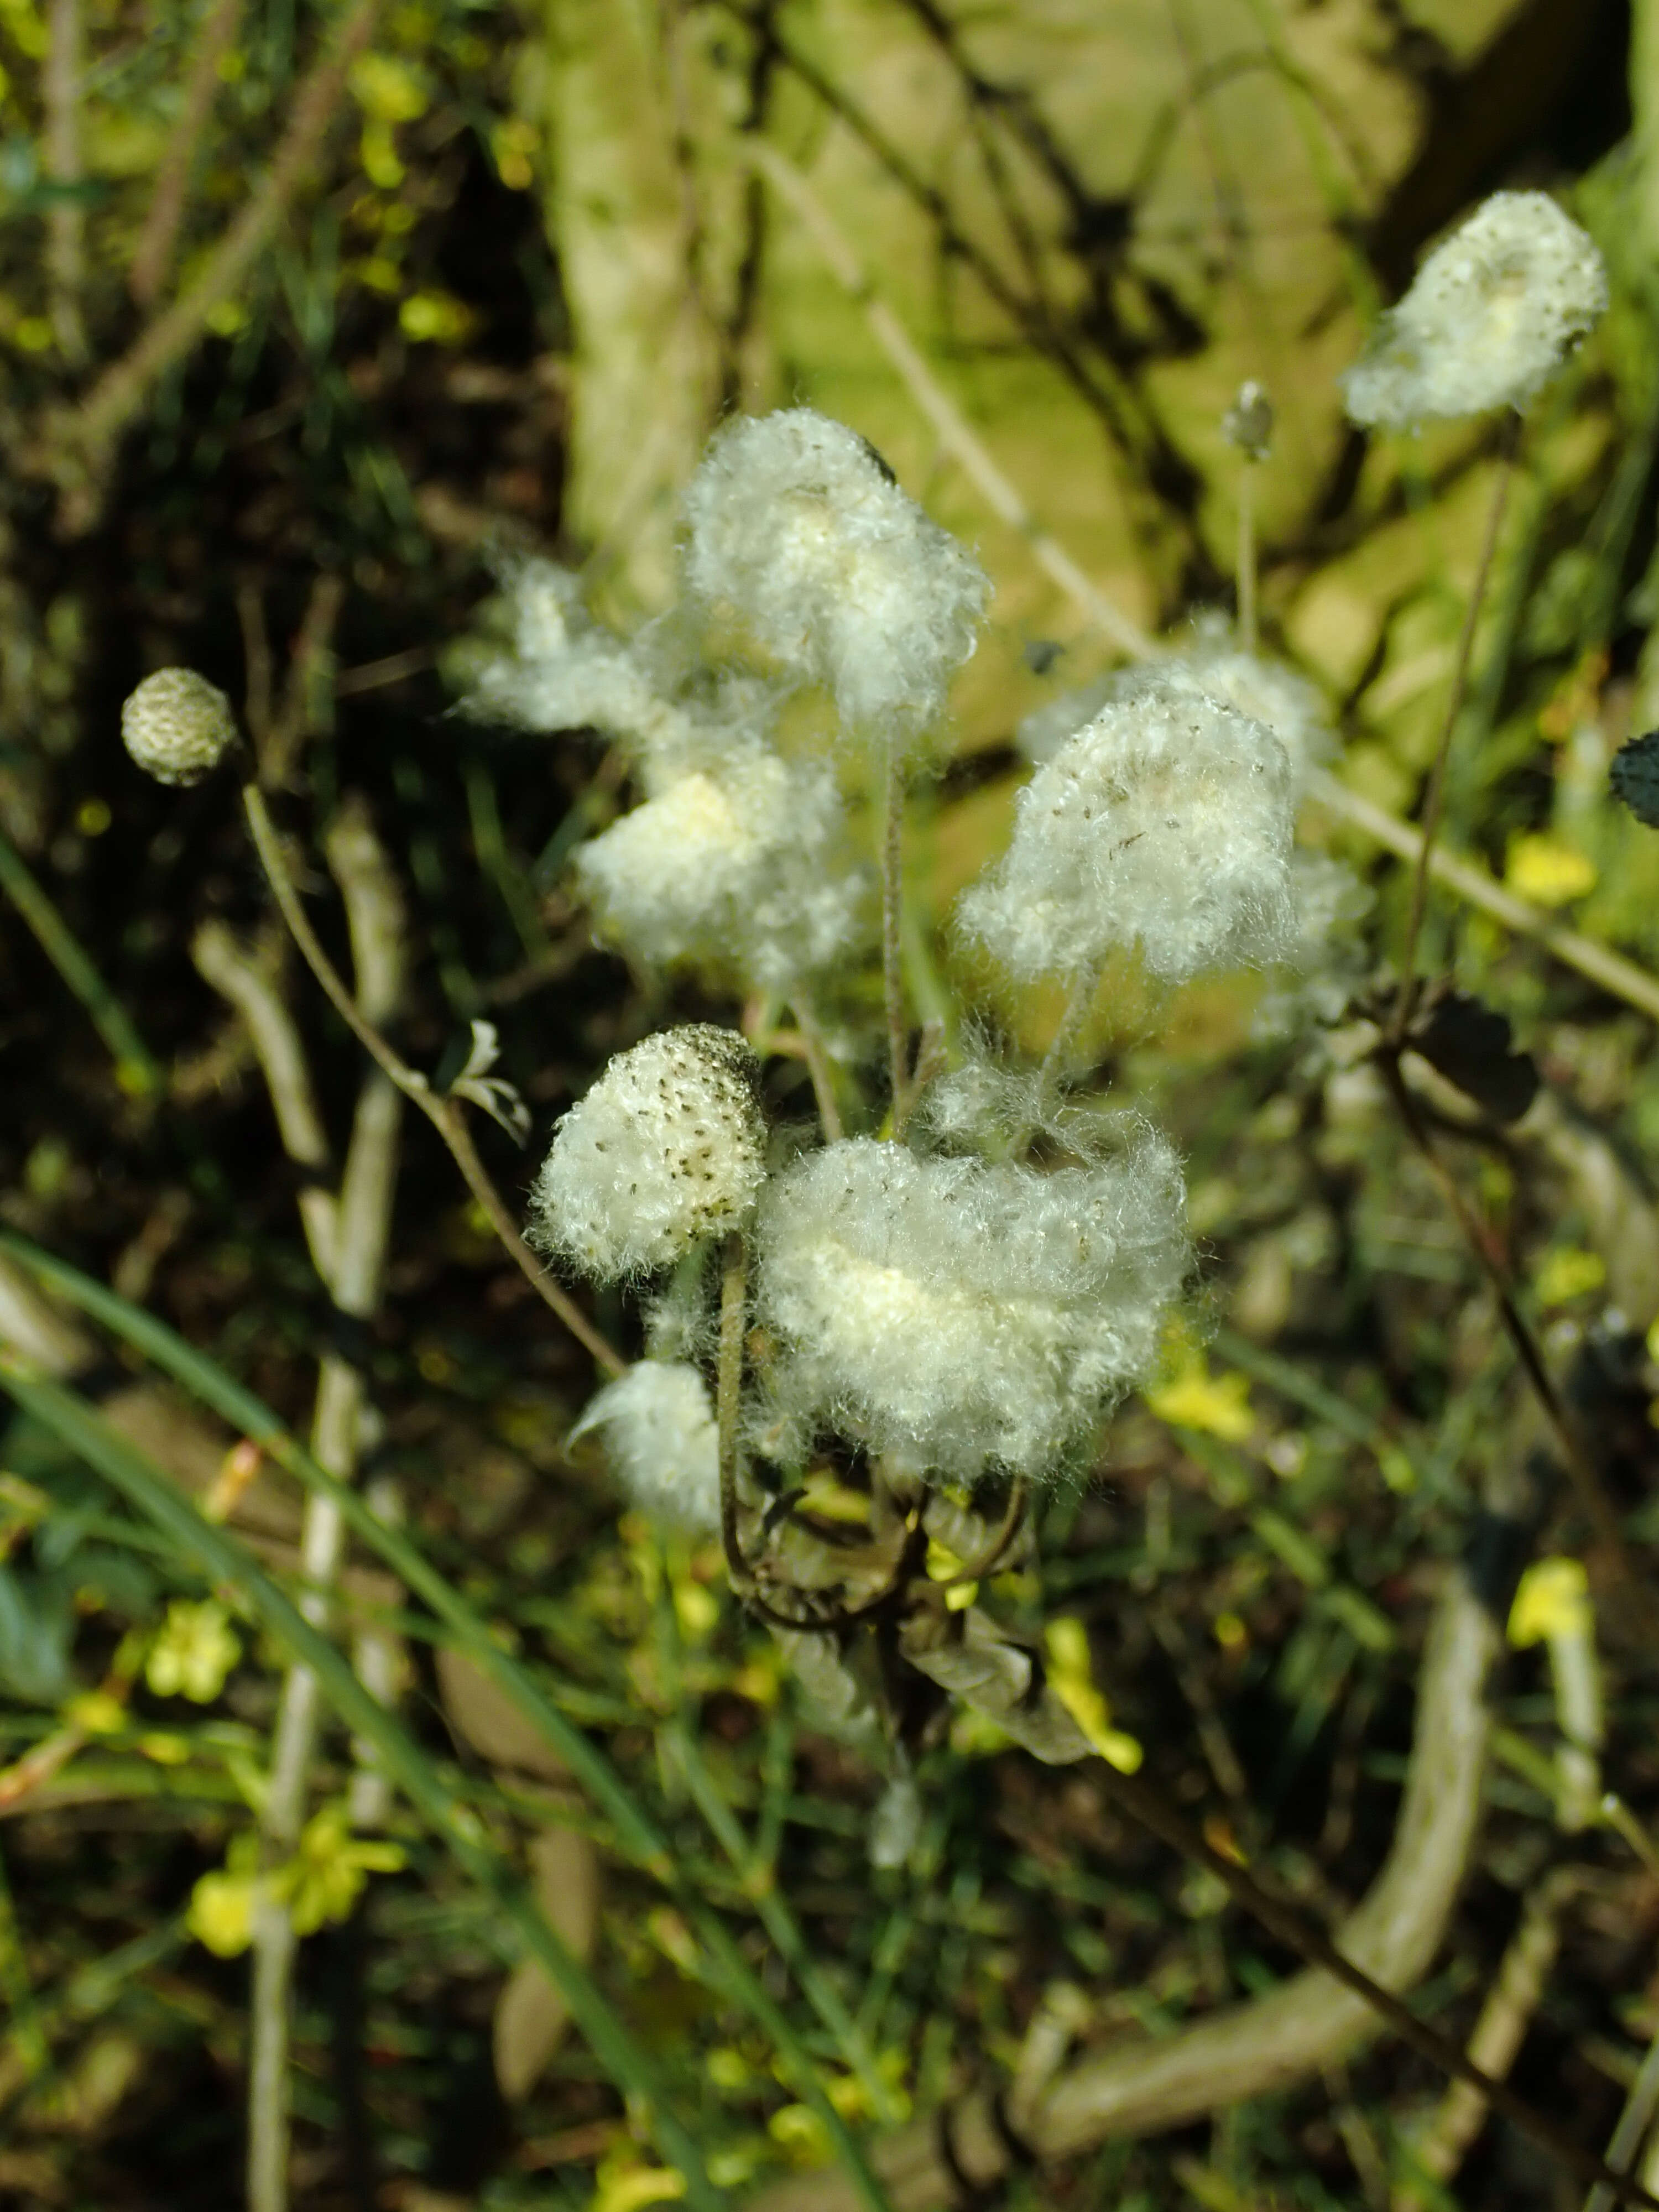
point(666, 1149)
point(1494, 312)
point(177, 726)
point(662, 1443)
point(798, 530)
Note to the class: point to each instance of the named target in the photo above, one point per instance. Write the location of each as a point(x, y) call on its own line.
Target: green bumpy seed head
point(177, 726)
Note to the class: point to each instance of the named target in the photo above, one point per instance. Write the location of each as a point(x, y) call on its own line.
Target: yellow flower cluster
point(321, 1882)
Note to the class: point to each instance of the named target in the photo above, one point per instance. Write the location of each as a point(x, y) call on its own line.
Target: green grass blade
point(210, 1386)
point(780, 1925)
point(226, 1559)
point(135, 1069)
point(636, 1835)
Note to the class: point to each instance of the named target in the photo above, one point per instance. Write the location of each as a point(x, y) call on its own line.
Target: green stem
point(135, 1071)
point(892, 924)
point(1434, 800)
point(1247, 618)
point(780, 1925)
point(728, 1393)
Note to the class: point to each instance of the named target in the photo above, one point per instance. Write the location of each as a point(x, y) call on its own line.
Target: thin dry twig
point(152, 257)
point(952, 428)
point(62, 81)
point(444, 1113)
point(85, 434)
point(1621, 978)
point(1439, 2147)
point(248, 984)
point(362, 1230)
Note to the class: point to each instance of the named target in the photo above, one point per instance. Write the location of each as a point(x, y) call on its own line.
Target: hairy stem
point(1080, 998)
point(1247, 616)
point(728, 1393)
point(892, 922)
point(818, 1068)
point(1586, 1480)
point(1435, 797)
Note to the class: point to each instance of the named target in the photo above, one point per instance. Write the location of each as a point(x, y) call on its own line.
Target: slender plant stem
point(444, 1113)
point(728, 1392)
point(1080, 998)
point(1586, 1482)
point(818, 1068)
point(152, 257)
point(1608, 970)
point(1435, 799)
point(136, 1070)
point(1633, 2124)
point(893, 923)
point(781, 1924)
point(120, 391)
point(1247, 615)
point(62, 81)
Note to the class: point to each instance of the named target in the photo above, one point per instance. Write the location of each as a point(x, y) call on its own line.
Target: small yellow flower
point(222, 1912)
point(387, 88)
point(193, 1653)
point(1565, 1274)
point(1548, 871)
point(1218, 1405)
point(437, 318)
point(1072, 1682)
point(327, 1875)
point(628, 2188)
point(95, 1712)
point(1553, 1600)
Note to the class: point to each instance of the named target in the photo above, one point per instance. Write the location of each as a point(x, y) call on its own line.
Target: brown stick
point(152, 257)
point(62, 80)
point(120, 391)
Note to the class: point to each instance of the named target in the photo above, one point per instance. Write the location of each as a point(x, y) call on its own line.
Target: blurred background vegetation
point(309, 314)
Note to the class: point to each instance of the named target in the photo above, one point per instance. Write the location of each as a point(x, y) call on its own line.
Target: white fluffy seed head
point(666, 1149)
point(565, 672)
point(661, 1444)
point(963, 1314)
point(798, 531)
point(1494, 311)
point(737, 867)
point(177, 726)
point(1165, 822)
point(1264, 690)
